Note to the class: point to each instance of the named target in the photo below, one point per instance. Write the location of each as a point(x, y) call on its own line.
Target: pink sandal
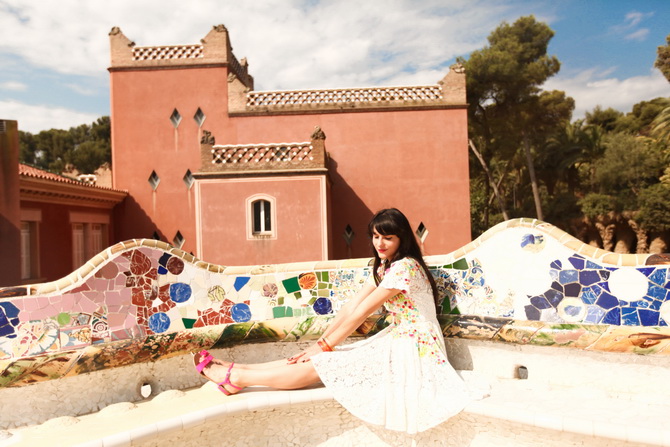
point(206, 360)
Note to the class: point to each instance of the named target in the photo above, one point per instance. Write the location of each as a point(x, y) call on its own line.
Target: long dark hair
point(391, 221)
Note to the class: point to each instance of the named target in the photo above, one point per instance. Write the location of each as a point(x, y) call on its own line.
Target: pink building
point(50, 225)
point(386, 146)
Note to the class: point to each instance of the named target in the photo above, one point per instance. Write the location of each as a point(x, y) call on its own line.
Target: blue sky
point(54, 55)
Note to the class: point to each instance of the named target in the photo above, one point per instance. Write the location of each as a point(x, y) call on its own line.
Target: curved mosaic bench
point(523, 281)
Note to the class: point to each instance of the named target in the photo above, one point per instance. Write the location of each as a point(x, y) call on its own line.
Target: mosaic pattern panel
point(519, 283)
point(529, 276)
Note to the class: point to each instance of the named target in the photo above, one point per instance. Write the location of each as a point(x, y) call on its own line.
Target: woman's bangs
point(384, 226)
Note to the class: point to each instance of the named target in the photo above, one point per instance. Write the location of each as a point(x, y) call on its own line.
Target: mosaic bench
point(142, 302)
point(523, 281)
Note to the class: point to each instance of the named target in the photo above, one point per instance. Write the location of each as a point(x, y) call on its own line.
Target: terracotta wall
point(301, 220)
point(144, 140)
point(10, 217)
point(408, 158)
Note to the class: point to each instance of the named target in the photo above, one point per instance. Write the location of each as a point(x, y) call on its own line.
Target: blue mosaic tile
point(159, 322)
point(648, 317)
point(655, 304)
point(323, 306)
point(588, 277)
point(592, 265)
point(557, 286)
point(573, 289)
point(240, 282)
point(9, 319)
point(588, 296)
point(594, 314)
point(646, 271)
point(573, 311)
point(557, 265)
point(530, 239)
point(554, 297)
point(629, 316)
point(532, 313)
point(165, 257)
point(180, 292)
point(613, 317)
point(640, 304)
point(567, 276)
point(658, 277)
point(240, 312)
point(540, 302)
point(607, 301)
point(657, 292)
point(605, 285)
point(577, 262)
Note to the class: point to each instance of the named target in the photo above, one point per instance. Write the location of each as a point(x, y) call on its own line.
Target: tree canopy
point(84, 148)
point(531, 159)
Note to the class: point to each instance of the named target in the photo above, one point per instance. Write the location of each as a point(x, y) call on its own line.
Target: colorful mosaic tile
point(144, 300)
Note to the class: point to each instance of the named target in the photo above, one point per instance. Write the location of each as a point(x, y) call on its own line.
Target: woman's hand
point(306, 355)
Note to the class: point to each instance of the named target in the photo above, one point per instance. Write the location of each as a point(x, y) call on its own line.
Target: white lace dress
point(399, 378)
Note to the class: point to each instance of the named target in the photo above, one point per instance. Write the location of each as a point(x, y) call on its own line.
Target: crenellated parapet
point(449, 92)
point(300, 157)
point(213, 50)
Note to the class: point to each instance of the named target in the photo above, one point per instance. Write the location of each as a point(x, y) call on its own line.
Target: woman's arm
point(363, 309)
point(348, 308)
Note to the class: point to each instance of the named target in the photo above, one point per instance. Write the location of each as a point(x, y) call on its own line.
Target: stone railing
point(167, 52)
point(449, 92)
point(243, 158)
point(344, 96)
point(264, 153)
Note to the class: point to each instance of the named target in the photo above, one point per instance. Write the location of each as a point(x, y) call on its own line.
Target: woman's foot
point(216, 371)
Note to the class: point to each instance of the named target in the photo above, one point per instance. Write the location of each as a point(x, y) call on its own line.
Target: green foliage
point(85, 147)
point(663, 58)
point(654, 208)
point(629, 165)
point(609, 162)
point(605, 119)
point(594, 205)
point(660, 127)
point(640, 120)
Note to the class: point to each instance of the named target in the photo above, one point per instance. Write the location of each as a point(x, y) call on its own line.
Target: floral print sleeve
point(400, 275)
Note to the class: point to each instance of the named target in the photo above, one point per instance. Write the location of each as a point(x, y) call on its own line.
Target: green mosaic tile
point(291, 284)
point(188, 322)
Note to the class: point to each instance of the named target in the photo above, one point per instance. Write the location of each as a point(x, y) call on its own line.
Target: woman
point(400, 378)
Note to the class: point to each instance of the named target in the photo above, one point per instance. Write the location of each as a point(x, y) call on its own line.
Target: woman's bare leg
point(277, 374)
point(264, 365)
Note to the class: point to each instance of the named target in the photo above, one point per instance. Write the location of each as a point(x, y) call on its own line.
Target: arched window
point(261, 216)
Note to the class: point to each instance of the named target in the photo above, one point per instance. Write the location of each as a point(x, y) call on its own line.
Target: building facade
point(50, 225)
point(403, 147)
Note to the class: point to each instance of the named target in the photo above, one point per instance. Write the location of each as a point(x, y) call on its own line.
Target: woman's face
point(386, 245)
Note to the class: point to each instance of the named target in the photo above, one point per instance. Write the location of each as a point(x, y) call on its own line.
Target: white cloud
point(13, 86)
point(591, 88)
point(34, 118)
point(629, 27)
point(289, 43)
point(81, 89)
point(638, 35)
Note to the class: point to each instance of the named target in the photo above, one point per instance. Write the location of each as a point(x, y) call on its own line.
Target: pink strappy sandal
point(206, 360)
